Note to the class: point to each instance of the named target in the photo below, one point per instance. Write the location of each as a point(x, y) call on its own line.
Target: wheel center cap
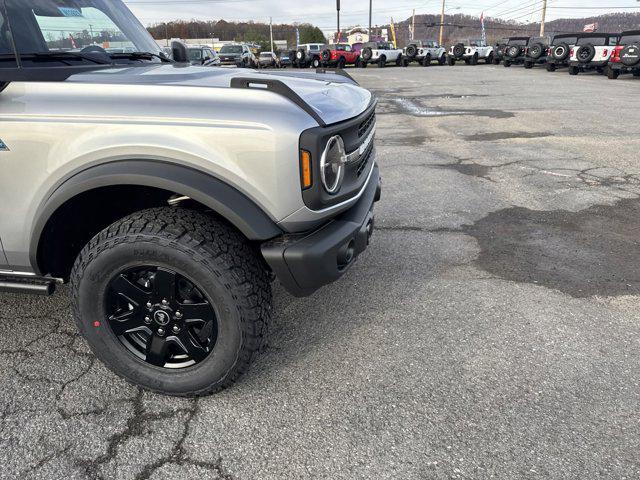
point(161, 317)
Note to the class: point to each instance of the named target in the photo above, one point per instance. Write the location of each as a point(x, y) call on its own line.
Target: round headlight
point(332, 164)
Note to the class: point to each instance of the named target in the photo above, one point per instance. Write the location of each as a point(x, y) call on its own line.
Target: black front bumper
point(304, 263)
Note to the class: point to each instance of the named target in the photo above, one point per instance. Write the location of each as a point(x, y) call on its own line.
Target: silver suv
point(169, 196)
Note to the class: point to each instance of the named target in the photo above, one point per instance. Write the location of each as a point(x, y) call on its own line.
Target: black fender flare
point(222, 198)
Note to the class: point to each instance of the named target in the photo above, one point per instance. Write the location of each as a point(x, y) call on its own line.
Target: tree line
point(252, 32)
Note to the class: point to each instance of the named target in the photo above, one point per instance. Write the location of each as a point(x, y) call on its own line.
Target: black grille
point(364, 126)
point(364, 161)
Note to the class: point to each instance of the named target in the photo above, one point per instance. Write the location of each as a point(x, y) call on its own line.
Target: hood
point(333, 97)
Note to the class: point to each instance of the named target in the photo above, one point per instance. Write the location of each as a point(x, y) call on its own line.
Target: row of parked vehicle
point(612, 54)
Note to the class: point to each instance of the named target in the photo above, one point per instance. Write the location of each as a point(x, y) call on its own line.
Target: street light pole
point(442, 24)
point(271, 32)
point(370, 17)
point(339, 33)
point(544, 17)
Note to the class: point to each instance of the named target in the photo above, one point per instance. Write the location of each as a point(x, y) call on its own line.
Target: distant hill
point(466, 26)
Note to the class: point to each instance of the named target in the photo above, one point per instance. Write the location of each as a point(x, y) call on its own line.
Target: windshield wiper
point(63, 55)
point(143, 55)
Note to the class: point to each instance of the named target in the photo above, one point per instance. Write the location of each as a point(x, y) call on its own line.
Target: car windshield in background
point(596, 41)
point(195, 54)
point(233, 49)
point(630, 39)
point(567, 40)
point(265, 55)
point(50, 27)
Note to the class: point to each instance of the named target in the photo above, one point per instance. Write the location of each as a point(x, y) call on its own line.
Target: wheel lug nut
point(147, 319)
point(178, 315)
point(176, 329)
point(165, 303)
point(161, 332)
point(149, 305)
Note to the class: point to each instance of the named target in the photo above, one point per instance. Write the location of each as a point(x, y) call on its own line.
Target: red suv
point(339, 56)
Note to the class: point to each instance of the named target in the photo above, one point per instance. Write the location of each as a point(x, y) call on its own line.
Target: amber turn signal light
point(305, 169)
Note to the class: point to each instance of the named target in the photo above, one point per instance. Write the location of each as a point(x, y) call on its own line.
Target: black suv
point(515, 51)
point(536, 51)
point(626, 55)
point(560, 50)
point(498, 50)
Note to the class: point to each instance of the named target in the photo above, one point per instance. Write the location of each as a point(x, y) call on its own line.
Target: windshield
point(195, 54)
point(265, 55)
point(567, 40)
point(630, 39)
point(58, 26)
point(518, 42)
point(231, 49)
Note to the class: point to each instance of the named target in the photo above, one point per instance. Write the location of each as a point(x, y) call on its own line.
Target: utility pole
point(413, 26)
point(544, 17)
point(339, 33)
point(166, 33)
point(370, 17)
point(271, 32)
point(442, 25)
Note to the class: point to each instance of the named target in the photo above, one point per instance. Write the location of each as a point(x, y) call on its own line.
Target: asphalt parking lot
point(491, 330)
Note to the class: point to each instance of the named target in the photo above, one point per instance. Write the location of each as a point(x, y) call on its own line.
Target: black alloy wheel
point(161, 317)
point(458, 51)
point(536, 50)
point(412, 51)
point(586, 53)
point(513, 51)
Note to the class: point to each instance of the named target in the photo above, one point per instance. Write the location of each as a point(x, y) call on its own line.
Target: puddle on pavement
point(402, 141)
point(471, 169)
point(492, 137)
point(591, 252)
point(413, 107)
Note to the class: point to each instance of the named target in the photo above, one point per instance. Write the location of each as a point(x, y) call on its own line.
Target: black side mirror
point(179, 50)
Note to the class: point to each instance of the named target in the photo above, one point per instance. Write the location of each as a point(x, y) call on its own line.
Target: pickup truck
point(170, 196)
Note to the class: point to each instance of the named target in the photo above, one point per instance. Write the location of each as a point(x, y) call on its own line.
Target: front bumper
point(306, 262)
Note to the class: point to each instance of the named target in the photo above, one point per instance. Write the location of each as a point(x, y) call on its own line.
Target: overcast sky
point(355, 12)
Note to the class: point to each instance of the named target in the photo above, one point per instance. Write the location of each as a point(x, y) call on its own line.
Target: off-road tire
point(507, 63)
point(426, 61)
point(612, 74)
point(551, 67)
point(382, 61)
point(574, 70)
point(215, 257)
point(451, 61)
point(405, 62)
point(315, 63)
point(443, 59)
point(528, 65)
point(341, 63)
point(399, 61)
point(489, 59)
point(474, 59)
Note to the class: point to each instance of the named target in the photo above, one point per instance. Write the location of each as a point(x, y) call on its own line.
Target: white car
point(424, 52)
point(380, 53)
point(592, 52)
point(470, 52)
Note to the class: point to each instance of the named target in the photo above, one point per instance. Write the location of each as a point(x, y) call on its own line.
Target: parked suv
point(169, 196)
point(239, 55)
point(424, 52)
point(592, 52)
point(498, 50)
point(626, 55)
point(380, 53)
point(339, 56)
point(559, 51)
point(308, 55)
point(268, 60)
point(203, 55)
point(536, 51)
point(470, 51)
point(515, 52)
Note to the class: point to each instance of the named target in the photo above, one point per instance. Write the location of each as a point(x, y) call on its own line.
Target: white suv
point(380, 53)
point(592, 52)
point(470, 52)
point(424, 52)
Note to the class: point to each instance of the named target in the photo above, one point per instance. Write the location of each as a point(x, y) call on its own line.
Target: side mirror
point(180, 54)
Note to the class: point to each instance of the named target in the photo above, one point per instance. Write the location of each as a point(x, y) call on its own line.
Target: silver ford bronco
point(170, 196)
